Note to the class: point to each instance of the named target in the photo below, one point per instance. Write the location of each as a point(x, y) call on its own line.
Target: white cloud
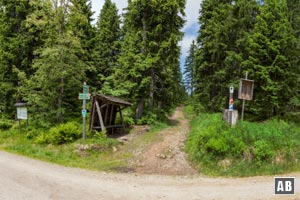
point(97, 6)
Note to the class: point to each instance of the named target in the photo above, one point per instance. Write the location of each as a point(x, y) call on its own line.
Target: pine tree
point(189, 70)
point(80, 23)
point(59, 71)
point(214, 41)
point(149, 71)
point(106, 42)
point(270, 59)
point(17, 44)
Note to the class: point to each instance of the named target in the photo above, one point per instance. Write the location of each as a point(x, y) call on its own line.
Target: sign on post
point(22, 113)
point(246, 89)
point(84, 96)
point(83, 112)
point(85, 89)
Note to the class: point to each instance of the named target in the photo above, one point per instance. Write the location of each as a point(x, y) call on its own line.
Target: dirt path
point(167, 157)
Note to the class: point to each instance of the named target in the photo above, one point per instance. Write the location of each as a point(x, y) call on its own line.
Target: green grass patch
point(62, 145)
point(248, 149)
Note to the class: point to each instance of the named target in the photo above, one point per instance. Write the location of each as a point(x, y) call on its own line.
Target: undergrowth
point(249, 148)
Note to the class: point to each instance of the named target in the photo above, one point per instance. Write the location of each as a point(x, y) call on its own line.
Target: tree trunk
point(139, 110)
point(151, 92)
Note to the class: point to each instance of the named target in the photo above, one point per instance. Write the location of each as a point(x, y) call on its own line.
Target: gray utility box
point(231, 116)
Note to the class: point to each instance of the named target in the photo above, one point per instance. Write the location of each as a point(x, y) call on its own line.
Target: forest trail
point(167, 156)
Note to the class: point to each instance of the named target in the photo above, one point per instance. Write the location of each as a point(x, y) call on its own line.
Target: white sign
point(231, 89)
point(22, 113)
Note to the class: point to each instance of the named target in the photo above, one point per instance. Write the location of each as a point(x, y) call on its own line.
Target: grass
point(100, 158)
point(249, 148)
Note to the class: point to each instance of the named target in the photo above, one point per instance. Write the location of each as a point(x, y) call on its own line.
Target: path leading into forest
point(167, 157)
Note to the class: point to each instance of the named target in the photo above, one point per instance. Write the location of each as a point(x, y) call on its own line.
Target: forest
point(258, 37)
point(48, 48)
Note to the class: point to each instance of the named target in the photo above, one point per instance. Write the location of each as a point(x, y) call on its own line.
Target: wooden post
point(111, 114)
point(100, 116)
point(243, 107)
point(121, 116)
point(93, 114)
point(19, 125)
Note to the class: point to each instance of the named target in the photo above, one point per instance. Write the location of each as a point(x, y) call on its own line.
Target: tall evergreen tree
point(270, 59)
point(54, 86)
point(16, 51)
point(106, 42)
point(80, 23)
point(148, 69)
point(189, 70)
point(214, 41)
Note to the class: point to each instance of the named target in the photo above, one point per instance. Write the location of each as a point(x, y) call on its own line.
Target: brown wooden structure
point(104, 113)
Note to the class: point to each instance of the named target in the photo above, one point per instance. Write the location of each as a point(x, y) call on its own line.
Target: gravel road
point(24, 178)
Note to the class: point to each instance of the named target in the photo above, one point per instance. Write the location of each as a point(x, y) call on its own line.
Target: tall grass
point(249, 148)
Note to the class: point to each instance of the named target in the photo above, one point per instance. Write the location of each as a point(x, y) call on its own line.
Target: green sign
point(83, 96)
point(85, 89)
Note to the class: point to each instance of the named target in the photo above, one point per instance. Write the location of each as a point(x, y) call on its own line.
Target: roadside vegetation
point(62, 144)
point(247, 149)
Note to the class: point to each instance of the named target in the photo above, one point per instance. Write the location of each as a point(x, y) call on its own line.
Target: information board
point(21, 113)
point(246, 89)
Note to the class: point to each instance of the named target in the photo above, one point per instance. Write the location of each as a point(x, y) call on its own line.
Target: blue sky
point(190, 29)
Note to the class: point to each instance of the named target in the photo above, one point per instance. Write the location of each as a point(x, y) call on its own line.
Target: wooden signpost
point(84, 96)
point(245, 91)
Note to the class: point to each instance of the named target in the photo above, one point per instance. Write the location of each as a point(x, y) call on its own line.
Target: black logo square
point(284, 185)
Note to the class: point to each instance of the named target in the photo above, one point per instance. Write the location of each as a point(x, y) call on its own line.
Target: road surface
point(25, 178)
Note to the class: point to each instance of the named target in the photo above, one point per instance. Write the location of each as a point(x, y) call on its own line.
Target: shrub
point(60, 134)
point(149, 118)
point(262, 152)
point(251, 146)
point(5, 124)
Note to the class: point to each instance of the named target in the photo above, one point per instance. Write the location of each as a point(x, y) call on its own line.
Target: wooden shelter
point(104, 112)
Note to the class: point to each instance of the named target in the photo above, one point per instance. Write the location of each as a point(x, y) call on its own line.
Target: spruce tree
point(17, 45)
point(149, 71)
point(106, 43)
point(80, 23)
point(270, 49)
point(214, 41)
point(189, 70)
point(59, 71)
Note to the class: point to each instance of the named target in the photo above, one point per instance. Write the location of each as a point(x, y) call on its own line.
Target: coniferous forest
point(258, 37)
point(48, 48)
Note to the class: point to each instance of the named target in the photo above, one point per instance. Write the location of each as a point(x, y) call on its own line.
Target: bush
point(5, 124)
point(148, 119)
point(60, 134)
point(254, 146)
point(262, 152)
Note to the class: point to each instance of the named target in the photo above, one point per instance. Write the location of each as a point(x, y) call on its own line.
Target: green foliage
point(148, 118)
point(259, 146)
point(5, 124)
point(106, 45)
point(247, 36)
point(60, 134)
point(262, 152)
point(148, 70)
